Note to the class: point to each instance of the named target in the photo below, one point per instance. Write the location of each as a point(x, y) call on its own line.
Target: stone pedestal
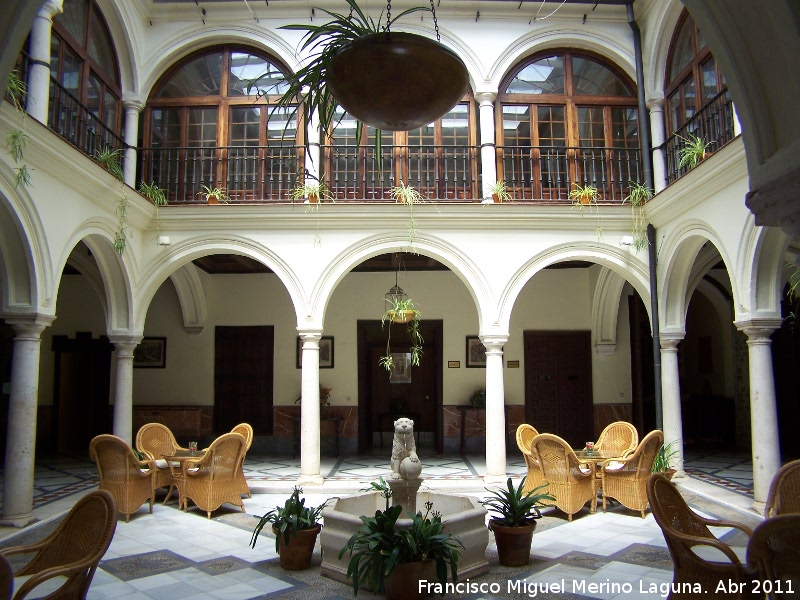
point(404, 493)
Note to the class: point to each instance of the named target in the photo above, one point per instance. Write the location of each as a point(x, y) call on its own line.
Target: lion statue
point(405, 462)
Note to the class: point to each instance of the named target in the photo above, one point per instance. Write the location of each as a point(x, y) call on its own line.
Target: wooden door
point(558, 384)
point(643, 395)
point(243, 374)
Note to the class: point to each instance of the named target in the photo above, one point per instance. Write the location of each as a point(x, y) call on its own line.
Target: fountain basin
point(463, 516)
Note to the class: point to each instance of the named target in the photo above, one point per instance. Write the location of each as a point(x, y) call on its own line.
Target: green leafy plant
point(406, 194)
point(157, 196)
point(288, 519)
point(17, 139)
point(382, 488)
point(380, 545)
point(638, 195)
point(513, 506)
point(121, 236)
point(218, 194)
point(583, 195)
point(402, 311)
point(664, 456)
point(16, 89)
point(111, 161)
point(478, 398)
point(693, 149)
point(311, 189)
point(500, 192)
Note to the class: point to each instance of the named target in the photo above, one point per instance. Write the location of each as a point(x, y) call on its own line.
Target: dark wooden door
point(81, 382)
point(558, 384)
point(643, 395)
point(243, 374)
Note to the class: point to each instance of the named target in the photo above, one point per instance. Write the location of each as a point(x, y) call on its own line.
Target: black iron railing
point(548, 173)
point(78, 125)
point(713, 123)
point(247, 173)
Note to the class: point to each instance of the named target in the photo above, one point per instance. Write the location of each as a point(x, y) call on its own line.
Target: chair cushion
point(614, 466)
point(47, 587)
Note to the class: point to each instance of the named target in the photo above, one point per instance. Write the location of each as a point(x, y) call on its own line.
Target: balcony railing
point(713, 123)
point(548, 173)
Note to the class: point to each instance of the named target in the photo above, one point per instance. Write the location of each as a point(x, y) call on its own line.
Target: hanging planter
point(397, 81)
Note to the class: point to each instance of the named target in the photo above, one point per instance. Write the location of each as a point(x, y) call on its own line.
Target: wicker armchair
point(620, 437)
point(784, 491)
point(155, 441)
point(685, 530)
point(66, 560)
point(211, 480)
point(246, 431)
point(773, 553)
point(571, 482)
point(626, 479)
point(535, 477)
point(130, 481)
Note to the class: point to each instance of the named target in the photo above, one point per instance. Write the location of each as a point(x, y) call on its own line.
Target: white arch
point(120, 29)
point(759, 265)
point(634, 272)
point(183, 253)
point(88, 269)
point(663, 22)
point(192, 298)
point(605, 310)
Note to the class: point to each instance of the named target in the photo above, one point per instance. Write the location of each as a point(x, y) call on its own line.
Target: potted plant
point(517, 512)
point(500, 192)
point(312, 190)
point(296, 527)
point(406, 194)
point(638, 195)
point(392, 560)
point(583, 195)
point(663, 460)
point(478, 398)
point(692, 151)
point(402, 311)
point(157, 196)
point(214, 195)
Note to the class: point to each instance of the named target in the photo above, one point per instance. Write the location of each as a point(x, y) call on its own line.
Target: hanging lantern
point(397, 81)
point(396, 301)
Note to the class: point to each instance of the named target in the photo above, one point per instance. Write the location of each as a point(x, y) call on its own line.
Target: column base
point(310, 480)
point(21, 521)
point(758, 506)
point(495, 479)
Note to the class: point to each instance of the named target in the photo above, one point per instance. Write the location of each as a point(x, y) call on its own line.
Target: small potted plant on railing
point(311, 191)
point(214, 195)
point(663, 460)
point(394, 561)
point(402, 311)
point(517, 512)
point(500, 192)
point(583, 195)
point(296, 527)
point(692, 151)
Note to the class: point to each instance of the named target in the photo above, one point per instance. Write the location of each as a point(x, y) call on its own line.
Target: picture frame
point(476, 353)
point(401, 373)
point(151, 353)
point(325, 352)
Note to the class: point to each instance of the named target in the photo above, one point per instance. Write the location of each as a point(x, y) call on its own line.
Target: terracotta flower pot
point(296, 555)
point(513, 543)
point(403, 581)
point(402, 316)
point(313, 199)
point(495, 198)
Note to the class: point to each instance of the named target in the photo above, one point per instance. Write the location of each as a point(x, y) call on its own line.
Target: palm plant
point(515, 507)
point(663, 460)
point(288, 519)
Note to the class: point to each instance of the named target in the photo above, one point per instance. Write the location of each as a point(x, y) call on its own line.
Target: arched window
point(567, 119)
point(438, 159)
point(697, 99)
point(85, 104)
point(211, 121)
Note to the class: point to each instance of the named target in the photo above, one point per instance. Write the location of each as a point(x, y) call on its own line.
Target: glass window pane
point(624, 128)
point(455, 126)
point(110, 110)
point(166, 127)
point(550, 125)
point(73, 19)
point(71, 72)
point(682, 51)
point(590, 78)
point(93, 95)
point(516, 125)
point(101, 48)
point(590, 126)
point(202, 127)
point(545, 76)
point(282, 126)
point(199, 77)
point(245, 126)
point(255, 73)
point(708, 72)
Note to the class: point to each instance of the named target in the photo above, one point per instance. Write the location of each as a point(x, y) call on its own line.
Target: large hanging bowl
point(397, 81)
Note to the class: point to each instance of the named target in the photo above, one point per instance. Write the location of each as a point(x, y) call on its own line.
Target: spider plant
point(156, 195)
point(406, 194)
point(17, 139)
point(214, 194)
point(500, 192)
point(638, 195)
point(16, 90)
point(111, 161)
point(692, 151)
point(409, 309)
point(583, 195)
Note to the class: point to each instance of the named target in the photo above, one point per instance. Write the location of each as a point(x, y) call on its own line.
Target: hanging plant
point(403, 311)
point(111, 161)
point(406, 194)
point(156, 195)
point(638, 195)
point(17, 139)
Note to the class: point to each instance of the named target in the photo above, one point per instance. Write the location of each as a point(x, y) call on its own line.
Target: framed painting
point(325, 352)
point(151, 353)
point(476, 352)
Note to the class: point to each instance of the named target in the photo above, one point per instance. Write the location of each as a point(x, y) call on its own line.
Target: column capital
point(494, 343)
point(655, 104)
point(29, 326)
point(51, 8)
point(669, 341)
point(133, 104)
point(485, 98)
point(758, 329)
point(310, 335)
point(125, 344)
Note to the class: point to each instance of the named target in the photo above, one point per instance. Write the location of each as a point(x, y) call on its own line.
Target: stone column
point(313, 155)
point(132, 110)
point(671, 399)
point(309, 411)
point(22, 407)
point(495, 410)
point(488, 147)
point(39, 69)
point(763, 410)
point(123, 385)
point(656, 106)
